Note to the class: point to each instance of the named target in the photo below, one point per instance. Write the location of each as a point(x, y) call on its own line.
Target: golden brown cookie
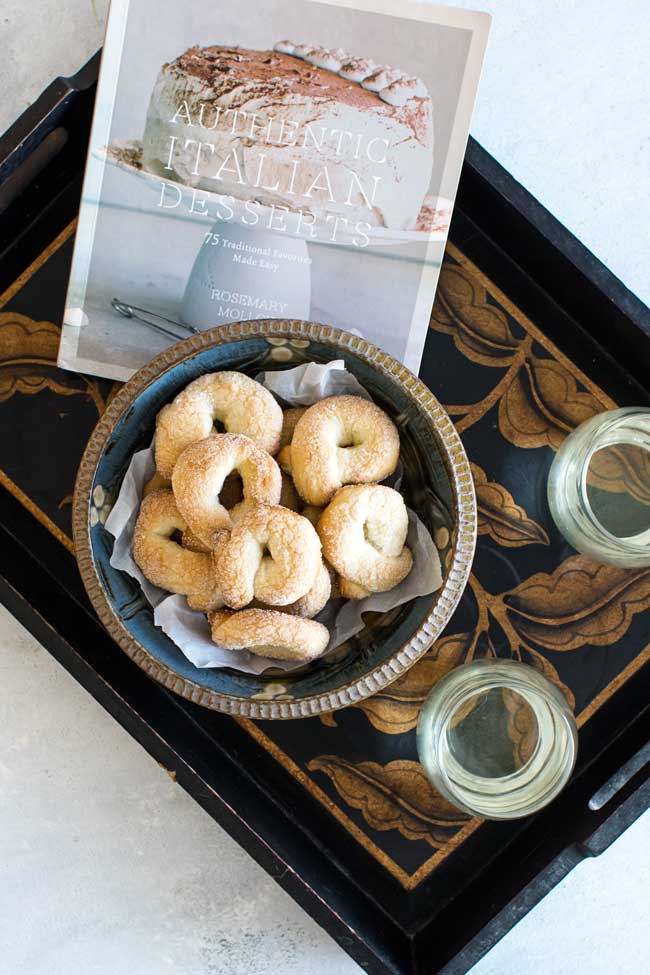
point(156, 483)
point(269, 633)
point(363, 531)
point(341, 440)
point(289, 419)
point(312, 602)
point(201, 470)
point(240, 404)
point(272, 555)
point(167, 564)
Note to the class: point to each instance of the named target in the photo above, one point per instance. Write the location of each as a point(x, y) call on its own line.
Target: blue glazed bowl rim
point(452, 453)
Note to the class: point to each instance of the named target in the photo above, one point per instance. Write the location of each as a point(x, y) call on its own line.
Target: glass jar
point(497, 739)
point(599, 487)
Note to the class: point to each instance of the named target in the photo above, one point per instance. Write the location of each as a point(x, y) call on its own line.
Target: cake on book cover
point(266, 178)
point(300, 125)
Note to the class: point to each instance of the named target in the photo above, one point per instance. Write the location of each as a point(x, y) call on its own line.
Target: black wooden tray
point(529, 335)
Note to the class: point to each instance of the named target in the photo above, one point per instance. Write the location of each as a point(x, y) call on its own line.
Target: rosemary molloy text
point(237, 306)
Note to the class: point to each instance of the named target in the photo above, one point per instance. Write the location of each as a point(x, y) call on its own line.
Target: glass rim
point(507, 786)
point(575, 516)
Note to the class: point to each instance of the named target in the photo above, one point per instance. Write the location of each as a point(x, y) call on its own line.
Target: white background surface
point(107, 866)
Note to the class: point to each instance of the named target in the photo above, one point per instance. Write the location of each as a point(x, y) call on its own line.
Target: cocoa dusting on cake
point(305, 128)
point(236, 72)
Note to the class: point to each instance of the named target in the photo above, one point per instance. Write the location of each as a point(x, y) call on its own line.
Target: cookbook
point(291, 159)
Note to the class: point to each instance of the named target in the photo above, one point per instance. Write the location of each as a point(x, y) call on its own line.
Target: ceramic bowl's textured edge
point(463, 545)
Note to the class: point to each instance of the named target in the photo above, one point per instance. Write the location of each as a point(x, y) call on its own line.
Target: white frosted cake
point(302, 127)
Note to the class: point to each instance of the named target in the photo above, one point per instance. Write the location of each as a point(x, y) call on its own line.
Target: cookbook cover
point(283, 159)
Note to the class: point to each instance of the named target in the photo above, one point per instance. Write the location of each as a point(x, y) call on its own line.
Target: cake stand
point(272, 266)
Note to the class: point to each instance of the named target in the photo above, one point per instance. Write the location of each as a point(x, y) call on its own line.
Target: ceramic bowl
point(437, 484)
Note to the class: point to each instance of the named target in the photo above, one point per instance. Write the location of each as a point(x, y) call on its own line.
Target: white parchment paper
point(188, 628)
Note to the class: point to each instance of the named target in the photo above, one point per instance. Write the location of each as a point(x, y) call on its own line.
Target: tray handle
point(628, 792)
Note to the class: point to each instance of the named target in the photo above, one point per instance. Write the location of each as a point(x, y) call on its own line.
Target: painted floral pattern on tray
point(514, 398)
point(393, 796)
point(28, 351)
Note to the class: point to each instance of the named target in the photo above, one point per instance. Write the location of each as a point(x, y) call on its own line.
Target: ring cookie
point(269, 633)
point(363, 533)
point(238, 402)
point(272, 555)
point(167, 564)
point(200, 472)
point(341, 440)
point(314, 599)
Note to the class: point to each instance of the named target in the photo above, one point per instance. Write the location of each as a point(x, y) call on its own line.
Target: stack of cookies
point(260, 516)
